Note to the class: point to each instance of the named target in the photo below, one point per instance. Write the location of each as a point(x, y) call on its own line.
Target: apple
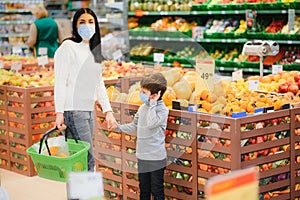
point(297, 78)
point(293, 88)
point(283, 88)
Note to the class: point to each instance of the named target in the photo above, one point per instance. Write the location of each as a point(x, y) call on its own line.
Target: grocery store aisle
point(21, 187)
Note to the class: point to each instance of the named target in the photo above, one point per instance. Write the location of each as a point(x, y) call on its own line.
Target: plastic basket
point(57, 168)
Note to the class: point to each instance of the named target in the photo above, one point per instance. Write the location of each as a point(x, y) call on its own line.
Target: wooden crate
point(181, 170)
point(129, 160)
point(295, 153)
point(122, 84)
point(107, 146)
point(226, 144)
point(4, 140)
point(30, 113)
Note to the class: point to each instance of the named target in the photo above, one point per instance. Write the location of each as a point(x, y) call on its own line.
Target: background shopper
point(78, 79)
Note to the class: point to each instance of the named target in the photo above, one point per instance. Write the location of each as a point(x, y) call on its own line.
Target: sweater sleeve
point(102, 97)
point(61, 66)
point(130, 127)
point(156, 116)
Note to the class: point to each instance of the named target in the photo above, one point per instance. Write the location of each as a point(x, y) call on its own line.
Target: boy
point(150, 122)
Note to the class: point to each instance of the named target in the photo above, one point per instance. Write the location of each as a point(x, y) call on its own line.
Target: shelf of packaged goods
point(8, 22)
point(55, 3)
point(206, 12)
point(21, 1)
point(15, 11)
point(15, 35)
point(250, 70)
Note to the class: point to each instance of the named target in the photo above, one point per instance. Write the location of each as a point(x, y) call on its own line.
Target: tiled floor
point(21, 187)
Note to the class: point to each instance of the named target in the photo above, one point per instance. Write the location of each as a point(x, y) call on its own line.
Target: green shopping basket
point(57, 168)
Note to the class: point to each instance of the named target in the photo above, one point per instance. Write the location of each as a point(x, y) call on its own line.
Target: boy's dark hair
point(154, 83)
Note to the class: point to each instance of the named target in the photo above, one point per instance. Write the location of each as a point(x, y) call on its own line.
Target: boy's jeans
point(81, 123)
point(151, 178)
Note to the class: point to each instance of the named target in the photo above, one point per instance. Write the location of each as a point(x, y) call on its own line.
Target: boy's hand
point(155, 97)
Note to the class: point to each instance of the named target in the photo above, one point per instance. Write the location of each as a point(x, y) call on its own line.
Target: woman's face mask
point(86, 31)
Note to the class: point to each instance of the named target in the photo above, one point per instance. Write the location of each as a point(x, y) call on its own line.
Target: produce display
point(180, 5)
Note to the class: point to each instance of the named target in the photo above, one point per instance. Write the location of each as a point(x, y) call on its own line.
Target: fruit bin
point(295, 153)
point(181, 170)
point(4, 140)
point(129, 160)
point(107, 148)
point(30, 113)
point(226, 144)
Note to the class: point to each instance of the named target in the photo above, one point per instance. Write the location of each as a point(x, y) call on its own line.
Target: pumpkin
point(191, 79)
point(122, 97)
point(169, 96)
point(172, 76)
point(134, 98)
point(112, 93)
point(182, 89)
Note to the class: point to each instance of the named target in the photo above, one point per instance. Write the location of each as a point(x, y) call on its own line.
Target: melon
point(182, 89)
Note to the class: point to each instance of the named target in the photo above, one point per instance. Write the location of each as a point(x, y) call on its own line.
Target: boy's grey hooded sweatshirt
point(150, 123)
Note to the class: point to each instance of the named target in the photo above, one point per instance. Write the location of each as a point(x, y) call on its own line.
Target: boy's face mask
point(144, 98)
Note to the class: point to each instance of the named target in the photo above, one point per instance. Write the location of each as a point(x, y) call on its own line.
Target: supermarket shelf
point(204, 40)
point(22, 1)
point(166, 64)
point(54, 3)
point(15, 11)
point(249, 70)
point(207, 12)
point(15, 35)
point(15, 22)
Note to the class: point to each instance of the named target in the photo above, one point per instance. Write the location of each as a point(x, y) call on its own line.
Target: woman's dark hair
point(95, 41)
point(154, 83)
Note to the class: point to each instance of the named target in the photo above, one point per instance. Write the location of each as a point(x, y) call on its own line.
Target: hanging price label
point(16, 66)
point(236, 75)
point(42, 60)
point(253, 85)
point(1, 64)
point(158, 57)
point(276, 69)
point(117, 54)
point(85, 185)
point(205, 71)
point(16, 50)
point(43, 51)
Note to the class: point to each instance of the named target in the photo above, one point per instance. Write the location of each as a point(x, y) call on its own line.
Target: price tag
point(236, 75)
point(85, 185)
point(198, 32)
point(291, 19)
point(253, 85)
point(43, 51)
point(276, 69)
point(158, 57)
point(240, 184)
point(117, 55)
point(205, 71)
point(16, 50)
point(16, 66)
point(1, 64)
point(42, 60)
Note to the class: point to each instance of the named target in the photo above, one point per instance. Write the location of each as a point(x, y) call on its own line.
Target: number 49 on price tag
point(205, 70)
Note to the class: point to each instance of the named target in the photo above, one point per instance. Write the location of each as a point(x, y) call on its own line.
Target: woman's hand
point(111, 121)
point(60, 121)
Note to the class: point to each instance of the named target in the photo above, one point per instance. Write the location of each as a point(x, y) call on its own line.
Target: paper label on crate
point(16, 66)
point(1, 64)
point(291, 19)
point(253, 85)
point(276, 69)
point(85, 185)
point(42, 60)
point(205, 72)
point(117, 54)
point(198, 32)
point(16, 50)
point(43, 51)
point(158, 57)
point(236, 75)
point(240, 184)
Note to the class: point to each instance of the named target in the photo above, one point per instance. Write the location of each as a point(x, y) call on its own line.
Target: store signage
point(253, 85)
point(43, 51)
point(158, 57)
point(205, 72)
point(1, 64)
point(85, 185)
point(16, 66)
point(42, 60)
point(238, 184)
point(291, 19)
point(276, 69)
point(117, 55)
point(236, 75)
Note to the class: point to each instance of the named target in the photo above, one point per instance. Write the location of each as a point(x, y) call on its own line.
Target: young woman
point(78, 80)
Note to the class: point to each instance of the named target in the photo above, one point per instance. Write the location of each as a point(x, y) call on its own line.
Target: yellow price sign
point(205, 72)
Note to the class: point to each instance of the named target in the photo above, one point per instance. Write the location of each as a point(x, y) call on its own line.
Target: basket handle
point(46, 135)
